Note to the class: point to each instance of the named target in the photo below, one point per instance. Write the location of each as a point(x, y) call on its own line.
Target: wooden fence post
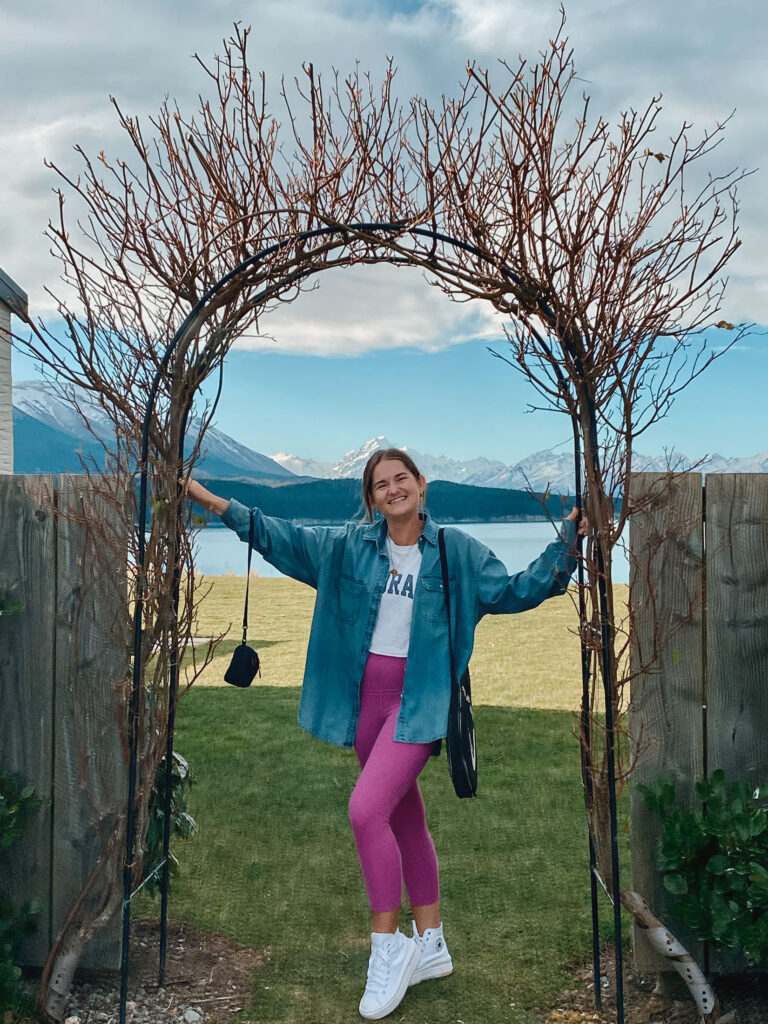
point(63, 663)
point(699, 584)
point(666, 720)
point(737, 636)
point(27, 645)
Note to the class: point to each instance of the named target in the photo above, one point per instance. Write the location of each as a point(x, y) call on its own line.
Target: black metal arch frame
point(191, 324)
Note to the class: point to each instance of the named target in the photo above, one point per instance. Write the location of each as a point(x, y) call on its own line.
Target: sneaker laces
point(379, 966)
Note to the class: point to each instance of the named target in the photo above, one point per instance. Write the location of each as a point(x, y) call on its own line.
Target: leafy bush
point(714, 860)
point(9, 604)
point(15, 925)
point(183, 825)
point(17, 803)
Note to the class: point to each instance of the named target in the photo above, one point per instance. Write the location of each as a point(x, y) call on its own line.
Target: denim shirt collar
point(377, 531)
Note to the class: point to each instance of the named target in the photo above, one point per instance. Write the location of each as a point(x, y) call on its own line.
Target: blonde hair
point(370, 466)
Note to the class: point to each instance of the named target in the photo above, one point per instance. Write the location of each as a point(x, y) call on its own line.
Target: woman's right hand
point(582, 529)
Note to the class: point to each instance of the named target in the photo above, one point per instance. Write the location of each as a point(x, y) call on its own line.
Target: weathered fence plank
point(27, 536)
point(737, 635)
point(91, 661)
point(61, 662)
point(737, 624)
point(666, 717)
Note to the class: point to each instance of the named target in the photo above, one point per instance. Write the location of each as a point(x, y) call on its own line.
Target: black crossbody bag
point(460, 743)
point(245, 661)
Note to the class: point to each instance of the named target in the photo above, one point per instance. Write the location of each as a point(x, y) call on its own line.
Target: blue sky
point(378, 352)
point(464, 403)
point(459, 401)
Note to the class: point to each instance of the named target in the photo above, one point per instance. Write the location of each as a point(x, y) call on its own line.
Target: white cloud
point(364, 309)
point(59, 63)
point(498, 27)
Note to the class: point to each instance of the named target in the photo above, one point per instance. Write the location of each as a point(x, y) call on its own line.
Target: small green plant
point(17, 803)
point(714, 860)
point(9, 605)
point(183, 825)
point(15, 925)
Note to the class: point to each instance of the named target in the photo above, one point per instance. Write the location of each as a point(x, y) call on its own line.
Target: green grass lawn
point(274, 865)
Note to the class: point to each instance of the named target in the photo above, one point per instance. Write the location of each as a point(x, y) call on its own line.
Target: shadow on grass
point(225, 647)
point(228, 644)
point(274, 864)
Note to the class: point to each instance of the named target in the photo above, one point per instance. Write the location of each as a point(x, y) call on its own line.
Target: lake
point(219, 552)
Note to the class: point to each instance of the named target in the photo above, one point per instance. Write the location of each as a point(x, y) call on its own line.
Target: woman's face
point(395, 491)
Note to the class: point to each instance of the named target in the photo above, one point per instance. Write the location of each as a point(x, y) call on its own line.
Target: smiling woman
point(394, 487)
point(378, 677)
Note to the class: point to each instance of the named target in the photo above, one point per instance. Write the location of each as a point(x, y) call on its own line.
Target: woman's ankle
point(386, 921)
point(427, 916)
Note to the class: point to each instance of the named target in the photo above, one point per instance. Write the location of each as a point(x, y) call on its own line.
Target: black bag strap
point(248, 579)
point(447, 593)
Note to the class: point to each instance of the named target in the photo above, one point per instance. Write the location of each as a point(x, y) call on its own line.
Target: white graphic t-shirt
point(392, 632)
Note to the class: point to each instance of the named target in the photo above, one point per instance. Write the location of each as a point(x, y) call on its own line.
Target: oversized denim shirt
point(348, 566)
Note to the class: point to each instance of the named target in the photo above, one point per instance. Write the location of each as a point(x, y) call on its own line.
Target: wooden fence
point(62, 659)
point(699, 587)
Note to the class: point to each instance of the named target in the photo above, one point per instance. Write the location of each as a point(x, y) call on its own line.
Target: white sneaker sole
point(397, 996)
point(436, 969)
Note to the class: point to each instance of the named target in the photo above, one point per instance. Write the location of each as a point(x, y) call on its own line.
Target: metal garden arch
point(190, 326)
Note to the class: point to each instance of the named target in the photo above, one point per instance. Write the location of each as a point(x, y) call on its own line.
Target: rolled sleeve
point(295, 550)
point(545, 577)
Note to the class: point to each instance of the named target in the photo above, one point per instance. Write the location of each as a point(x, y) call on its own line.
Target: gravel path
point(208, 981)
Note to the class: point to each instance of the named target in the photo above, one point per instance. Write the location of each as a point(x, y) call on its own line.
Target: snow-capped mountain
point(434, 467)
point(539, 471)
point(49, 432)
point(225, 457)
point(544, 470)
point(750, 464)
point(304, 467)
point(38, 399)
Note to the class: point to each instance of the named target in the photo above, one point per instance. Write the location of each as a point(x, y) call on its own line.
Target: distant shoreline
point(216, 524)
point(326, 502)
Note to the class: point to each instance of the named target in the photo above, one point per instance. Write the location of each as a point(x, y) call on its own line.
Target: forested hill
point(337, 501)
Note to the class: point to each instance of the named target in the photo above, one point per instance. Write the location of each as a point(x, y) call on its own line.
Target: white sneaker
point(435, 959)
point(393, 960)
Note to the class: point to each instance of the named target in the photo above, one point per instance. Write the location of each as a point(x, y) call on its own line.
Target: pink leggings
point(386, 808)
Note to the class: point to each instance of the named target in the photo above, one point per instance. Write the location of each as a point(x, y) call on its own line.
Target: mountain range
point(50, 437)
point(541, 471)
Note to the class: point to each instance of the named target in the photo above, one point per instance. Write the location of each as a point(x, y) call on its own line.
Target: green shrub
point(183, 825)
point(17, 803)
point(9, 605)
point(714, 860)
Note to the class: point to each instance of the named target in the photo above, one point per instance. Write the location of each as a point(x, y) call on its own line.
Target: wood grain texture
point(737, 634)
point(27, 544)
point(665, 717)
point(62, 660)
point(718, 660)
point(91, 661)
point(737, 624)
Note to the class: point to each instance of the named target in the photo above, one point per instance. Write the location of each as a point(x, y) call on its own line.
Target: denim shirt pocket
point(352, 595)
point(431, 602)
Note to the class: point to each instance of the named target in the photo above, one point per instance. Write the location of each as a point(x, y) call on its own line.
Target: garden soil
point(743, 1000)
point(209, 980)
